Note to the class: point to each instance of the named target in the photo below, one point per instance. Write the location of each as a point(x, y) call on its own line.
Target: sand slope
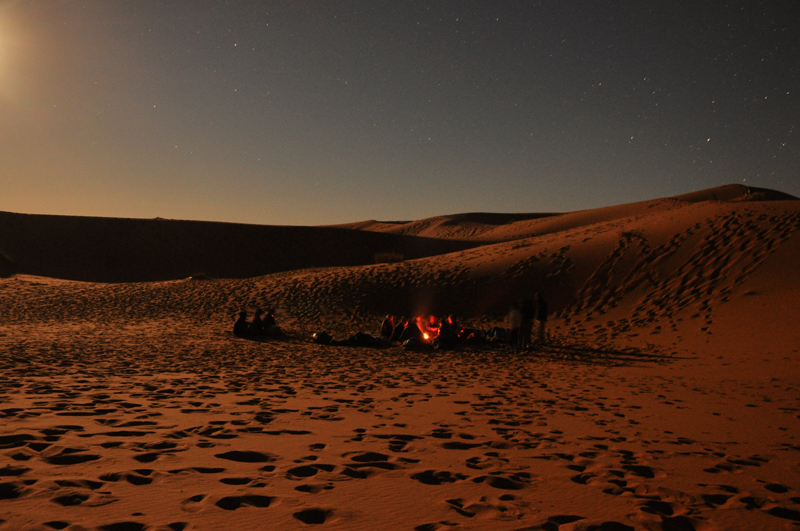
point(667, 398)
point(504, 227)
point(129, 250)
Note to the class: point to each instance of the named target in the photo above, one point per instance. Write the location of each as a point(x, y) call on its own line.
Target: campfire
point(429, 328)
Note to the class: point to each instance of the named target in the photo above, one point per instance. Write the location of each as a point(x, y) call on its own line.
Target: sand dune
point(505, 227)
point(130, 250)
point(666, 399)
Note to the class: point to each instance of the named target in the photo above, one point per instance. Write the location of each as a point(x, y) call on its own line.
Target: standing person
point(528, 315)
point(541, 316)
point(515, 324)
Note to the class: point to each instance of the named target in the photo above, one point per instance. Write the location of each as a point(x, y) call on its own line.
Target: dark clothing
point(363, 340)
point(525, 333)
point(448, 335)
point(398, 331)
point(541, 309)
point(387, 328)
point(500, 334)
point(528, 310)
point(411, 331)
point(513, 338)
point(526, 327)
point(269, 320)
point(515, 324)
point(541, 317)
point(241, 327)
point(359, 339)
point(257, 326)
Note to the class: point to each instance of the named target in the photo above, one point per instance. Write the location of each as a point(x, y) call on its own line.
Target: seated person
point(257, 326)
point(411, 331)
point(268, 325)
point(241, 327)
point(398, 329)
point(269, 319)
point(387, 326)
point(448, 333)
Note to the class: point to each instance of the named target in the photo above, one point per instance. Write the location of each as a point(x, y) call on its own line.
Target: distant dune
point(129, 250)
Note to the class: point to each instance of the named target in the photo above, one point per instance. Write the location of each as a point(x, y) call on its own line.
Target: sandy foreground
point(668, 397)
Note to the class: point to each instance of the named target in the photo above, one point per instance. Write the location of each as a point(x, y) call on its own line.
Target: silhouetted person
point(257, 326)
point(526, 329)
point(411, 331)
point(515, 324)
point(429, 326)
point(241, 326)
point(387, 327)
point(269, 319)
point(448, 334)
point(398, 329)
point(268, 325)
point(541, 316)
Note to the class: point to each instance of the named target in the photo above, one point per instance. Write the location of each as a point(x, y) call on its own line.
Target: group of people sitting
point(418, 332)
point(262, 325)
point(421, 332)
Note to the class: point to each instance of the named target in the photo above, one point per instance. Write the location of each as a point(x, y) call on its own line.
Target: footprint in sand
point(199, 469)
point(432, 477)
point(370, 460)
point(194, 504)
point(785, 513)
point(777, 488)
point(11, 490)
point(235, 481)
point(79, 483)
point(486, 507)
point(231, 503)
point(458, 445)
point(313, 516)
point(444, 525)
point(57, 524)
point(71, 499)
point(513, 482)
point(71, 456)
point(247, 456)
point(9, 470)
point(123, 526)
point(307, 471)
point(314, 488)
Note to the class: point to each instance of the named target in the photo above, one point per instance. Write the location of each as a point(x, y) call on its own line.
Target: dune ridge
point(139, 250)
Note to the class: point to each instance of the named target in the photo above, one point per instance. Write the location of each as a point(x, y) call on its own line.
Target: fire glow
point(429, 327)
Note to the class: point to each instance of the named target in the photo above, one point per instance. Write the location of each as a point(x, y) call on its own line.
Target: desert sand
point(666, 398)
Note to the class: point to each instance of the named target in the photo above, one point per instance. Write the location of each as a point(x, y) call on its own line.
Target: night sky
point(311, 112)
